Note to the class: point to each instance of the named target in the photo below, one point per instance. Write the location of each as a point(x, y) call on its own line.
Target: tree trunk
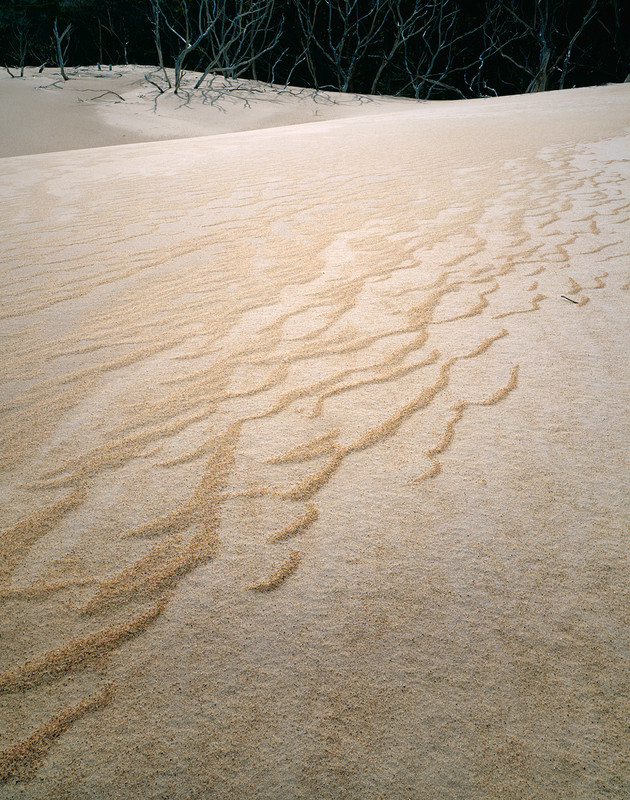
point(59, 41)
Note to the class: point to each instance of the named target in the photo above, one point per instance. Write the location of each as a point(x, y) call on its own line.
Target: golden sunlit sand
point(315, 444)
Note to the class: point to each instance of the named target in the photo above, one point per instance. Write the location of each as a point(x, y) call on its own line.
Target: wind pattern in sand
point(194, 362)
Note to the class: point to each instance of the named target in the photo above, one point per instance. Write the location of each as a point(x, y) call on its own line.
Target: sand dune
point(315, 455)
point(122, 105)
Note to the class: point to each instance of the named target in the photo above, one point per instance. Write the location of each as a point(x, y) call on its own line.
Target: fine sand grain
point(314, 444)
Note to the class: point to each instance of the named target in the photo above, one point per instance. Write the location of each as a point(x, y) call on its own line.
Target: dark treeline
point(416, 48)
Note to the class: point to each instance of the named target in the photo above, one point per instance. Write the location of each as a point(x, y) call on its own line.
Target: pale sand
point(42, 114)
point(315, 466)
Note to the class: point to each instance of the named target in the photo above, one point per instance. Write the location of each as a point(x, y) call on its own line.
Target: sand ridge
point(314, 482)
point(118, 106)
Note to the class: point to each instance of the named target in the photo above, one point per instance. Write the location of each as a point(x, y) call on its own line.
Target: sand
point(315, 446)
point(122, 105)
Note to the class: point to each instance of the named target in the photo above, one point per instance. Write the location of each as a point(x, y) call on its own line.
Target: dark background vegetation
point(416, 48)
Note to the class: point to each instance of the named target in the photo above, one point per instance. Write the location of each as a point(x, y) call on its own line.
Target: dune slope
point(100, 108)
point(315, 459)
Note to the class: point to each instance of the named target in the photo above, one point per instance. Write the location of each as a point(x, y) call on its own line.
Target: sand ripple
point(219, 355)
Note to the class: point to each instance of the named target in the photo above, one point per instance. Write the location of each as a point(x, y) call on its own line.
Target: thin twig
point(108, 91)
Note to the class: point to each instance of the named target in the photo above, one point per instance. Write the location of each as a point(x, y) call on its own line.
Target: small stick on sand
point(569, 299)
point(98, 96)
